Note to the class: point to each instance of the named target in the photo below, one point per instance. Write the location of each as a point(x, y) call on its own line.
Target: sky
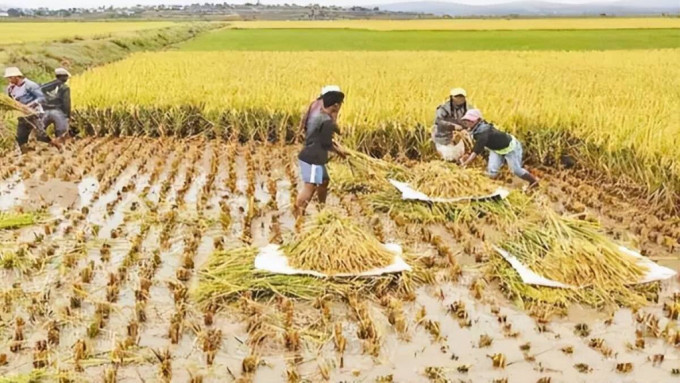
point(97, 3)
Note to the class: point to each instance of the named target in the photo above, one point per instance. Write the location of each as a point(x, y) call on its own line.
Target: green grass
point(350, 39)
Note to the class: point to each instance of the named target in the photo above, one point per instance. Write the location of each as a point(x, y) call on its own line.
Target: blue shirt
point(26, 92)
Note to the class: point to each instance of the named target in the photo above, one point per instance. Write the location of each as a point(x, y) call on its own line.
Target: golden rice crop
point(17, 33)
point(469, 24)
point(333, 244)
point(614, 109)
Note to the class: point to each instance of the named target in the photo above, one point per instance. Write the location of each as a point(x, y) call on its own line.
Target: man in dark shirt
point(502, 147)
point(58, 103)
point(314, 155)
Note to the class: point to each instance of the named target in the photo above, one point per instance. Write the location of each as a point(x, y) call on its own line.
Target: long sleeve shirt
point(27, 92)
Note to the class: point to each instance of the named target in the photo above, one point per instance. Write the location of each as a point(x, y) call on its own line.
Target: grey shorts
point(313, 174)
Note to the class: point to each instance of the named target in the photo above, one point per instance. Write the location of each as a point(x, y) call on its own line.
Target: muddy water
point(405, 357)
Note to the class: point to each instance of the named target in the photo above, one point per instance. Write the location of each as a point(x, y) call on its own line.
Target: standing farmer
point(28, 93)
point(314, 155)
point(315, 107)
point(58, 103)
point(447, 120)
point(502, 147)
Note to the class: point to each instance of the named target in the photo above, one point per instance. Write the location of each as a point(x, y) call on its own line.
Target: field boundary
point(38, 60)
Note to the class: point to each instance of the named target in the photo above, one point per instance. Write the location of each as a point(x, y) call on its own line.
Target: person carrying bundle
point(315, 108)
point(314, 156)
point(28, 93)
point(58, 103)
point(502, 147)
point(447, 120)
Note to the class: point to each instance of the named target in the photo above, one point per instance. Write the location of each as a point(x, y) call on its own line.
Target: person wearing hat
point(28, 93)
point(315, 107)
point(314, 156)
point(502, 147)
point(58, 103)
point(447, 120)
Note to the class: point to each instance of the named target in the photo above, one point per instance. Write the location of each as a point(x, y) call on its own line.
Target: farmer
point(315, 107)
point(448, 119)
point(58, 103)
point(502, 147)
point(314, 156)
point(28, 93)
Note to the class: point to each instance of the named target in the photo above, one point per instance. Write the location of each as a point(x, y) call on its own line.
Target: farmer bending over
point(447, 120)
point(28, 93)
point(315, 108)
point(314, 155)
point(58, 103)
point(502, 146)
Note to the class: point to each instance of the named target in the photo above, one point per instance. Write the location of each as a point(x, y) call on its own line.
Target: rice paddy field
point(130, 254)
point(18, 33)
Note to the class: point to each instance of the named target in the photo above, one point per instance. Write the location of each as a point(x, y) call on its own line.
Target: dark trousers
point(28, 123)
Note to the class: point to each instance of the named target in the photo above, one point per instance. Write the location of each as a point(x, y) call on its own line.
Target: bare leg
point(322, 192)
point(303, 199)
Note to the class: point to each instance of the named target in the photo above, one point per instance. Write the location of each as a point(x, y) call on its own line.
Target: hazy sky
point(96, 3)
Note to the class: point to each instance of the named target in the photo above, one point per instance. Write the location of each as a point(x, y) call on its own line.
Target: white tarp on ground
point(407, 192)
point(273, 260)
point(655, 272)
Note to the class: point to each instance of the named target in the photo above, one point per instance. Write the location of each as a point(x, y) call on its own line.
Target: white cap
point(13, 71)
point(458, 92)
point(61, 72)
point(330, 88)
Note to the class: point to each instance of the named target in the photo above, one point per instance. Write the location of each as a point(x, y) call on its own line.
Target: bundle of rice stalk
point(10, 105)
point(230, 273)
point(333, 244)
point(360, 173)
point(576, 253)
point(444, 180)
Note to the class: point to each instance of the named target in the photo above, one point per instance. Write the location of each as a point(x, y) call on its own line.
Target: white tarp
point(655, 272)
point(407, 192)
point(273, 260)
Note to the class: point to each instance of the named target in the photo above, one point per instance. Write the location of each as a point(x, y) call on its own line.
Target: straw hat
point(13, 71)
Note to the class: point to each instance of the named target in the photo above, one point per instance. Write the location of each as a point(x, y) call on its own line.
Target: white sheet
point(273, 260)
point(408, 193)
point(655, 272)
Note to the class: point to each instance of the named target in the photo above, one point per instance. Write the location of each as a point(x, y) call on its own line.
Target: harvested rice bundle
point(333, 244)
point(361, 173)
point(10, 105)
point(444, 180)
point(230, 273)
point(575, 253)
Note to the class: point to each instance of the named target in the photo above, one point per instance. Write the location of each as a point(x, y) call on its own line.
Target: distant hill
point(537, 8)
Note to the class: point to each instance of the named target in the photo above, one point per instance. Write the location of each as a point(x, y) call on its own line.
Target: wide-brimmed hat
point(13, 71)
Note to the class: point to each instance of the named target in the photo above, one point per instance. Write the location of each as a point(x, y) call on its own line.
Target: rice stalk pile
point(576, 253)
point(230, 273)
point(443, 180)
point(334, 244)
point(360, 173)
